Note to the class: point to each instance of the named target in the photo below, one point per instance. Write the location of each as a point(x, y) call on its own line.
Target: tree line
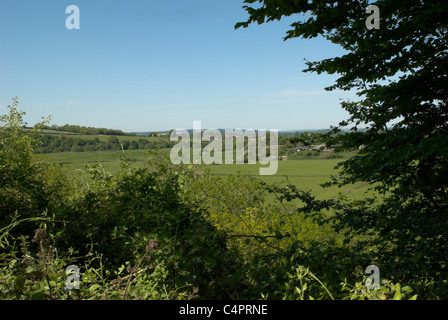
point(87, 130)
point(66, 143)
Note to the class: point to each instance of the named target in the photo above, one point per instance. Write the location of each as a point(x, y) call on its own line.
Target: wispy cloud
point(288, 96)
point(75, 101)
point(298, 78)
point(298, 93)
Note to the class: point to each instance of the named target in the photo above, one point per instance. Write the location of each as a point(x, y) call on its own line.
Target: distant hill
point(75, 129)
point(146, 133)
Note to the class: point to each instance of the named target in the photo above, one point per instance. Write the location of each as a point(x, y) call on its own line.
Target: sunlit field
point(305, 174)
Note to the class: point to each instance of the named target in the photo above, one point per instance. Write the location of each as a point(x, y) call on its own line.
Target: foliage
point(87, 130)
point(115, 217)
point(386, 291)
point(400, 74)
point(160, 231)
point(69, 143)
point(42, 275)
point(301, 285)
point(29, 185)
point(119, 214)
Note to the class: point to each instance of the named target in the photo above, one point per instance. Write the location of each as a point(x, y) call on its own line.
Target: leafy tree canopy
point(399, 72)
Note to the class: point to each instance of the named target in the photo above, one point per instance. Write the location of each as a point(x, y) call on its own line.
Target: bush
point(29, 185)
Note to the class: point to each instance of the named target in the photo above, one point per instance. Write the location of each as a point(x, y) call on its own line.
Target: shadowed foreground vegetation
point(152, 230)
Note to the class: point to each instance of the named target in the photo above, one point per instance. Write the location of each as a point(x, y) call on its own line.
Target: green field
point(306, 174)
point(76, 162)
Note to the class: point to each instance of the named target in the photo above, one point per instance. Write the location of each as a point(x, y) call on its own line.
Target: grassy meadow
point(307, 174)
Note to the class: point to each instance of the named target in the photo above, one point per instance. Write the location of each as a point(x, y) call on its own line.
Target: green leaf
point(38, 296)
point(20, 281)
point(397, 295)
point(278, 234)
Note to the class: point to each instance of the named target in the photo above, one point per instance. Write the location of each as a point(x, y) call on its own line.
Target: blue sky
point(144, 65)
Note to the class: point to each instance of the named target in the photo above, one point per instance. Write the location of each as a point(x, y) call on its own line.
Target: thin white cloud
point(298, 78)
point(298, 93)
point(288, 96)
point(277, 102)
point(75, 101)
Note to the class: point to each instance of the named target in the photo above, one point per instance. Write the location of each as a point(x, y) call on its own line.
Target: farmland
point(220, 225)
point(306, 174)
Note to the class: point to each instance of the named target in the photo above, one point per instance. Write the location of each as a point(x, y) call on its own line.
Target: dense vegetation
point(54, 141)
point(72, 143)
point(158, 231)
point(86, 130)
point(399, 72)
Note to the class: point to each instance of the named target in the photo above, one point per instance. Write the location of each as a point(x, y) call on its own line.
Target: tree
point(114, 142)
point(400, 74)
point(30, 186)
